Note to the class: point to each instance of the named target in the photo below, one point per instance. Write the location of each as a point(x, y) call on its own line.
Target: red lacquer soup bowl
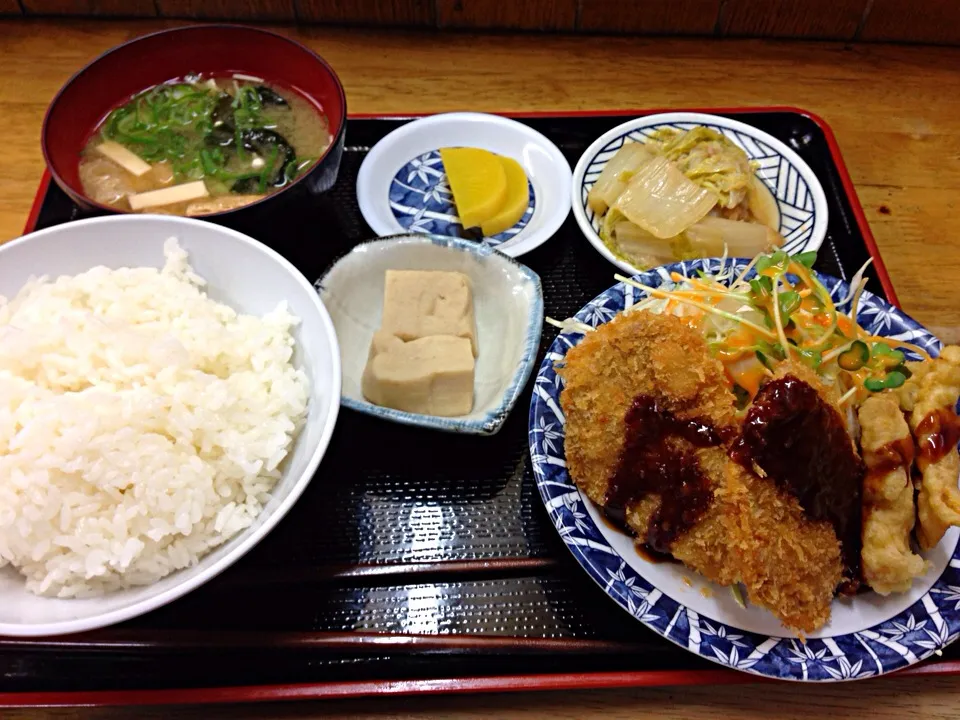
point(111, 79)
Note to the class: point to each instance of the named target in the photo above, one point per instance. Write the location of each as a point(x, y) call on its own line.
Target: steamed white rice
point(141, 424)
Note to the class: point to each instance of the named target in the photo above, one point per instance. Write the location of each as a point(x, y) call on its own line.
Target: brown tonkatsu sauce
point(654, 460)
point(937, 434)
point(895, 455)
point(887, 458)
point(800, 441)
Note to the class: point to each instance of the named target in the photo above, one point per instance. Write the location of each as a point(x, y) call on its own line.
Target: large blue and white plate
point(799, 196)
point(867, 635)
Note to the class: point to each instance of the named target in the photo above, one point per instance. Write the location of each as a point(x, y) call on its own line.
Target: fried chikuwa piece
point(934, 423)
point(889, 565)
point(791, 563)
point(665, 364)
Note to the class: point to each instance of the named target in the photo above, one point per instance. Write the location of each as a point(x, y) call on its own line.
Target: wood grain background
point(916, 21)
point(894, 108)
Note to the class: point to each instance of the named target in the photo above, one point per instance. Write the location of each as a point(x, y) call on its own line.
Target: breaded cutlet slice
point(790, 563)
point(646, 354)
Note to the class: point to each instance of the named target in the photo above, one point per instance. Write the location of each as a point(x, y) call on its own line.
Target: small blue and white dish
point(798, 193)
point(402, 186)
point(421, 201)
point(868, 635)
point(508, 305)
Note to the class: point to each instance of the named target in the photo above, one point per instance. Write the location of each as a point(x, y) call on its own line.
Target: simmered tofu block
point(421, 303)
point(431, 375)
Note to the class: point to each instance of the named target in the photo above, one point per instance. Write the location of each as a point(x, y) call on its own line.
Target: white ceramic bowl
point(249, 277)
point(798, 192)
point(402, 187)
point(508, 304)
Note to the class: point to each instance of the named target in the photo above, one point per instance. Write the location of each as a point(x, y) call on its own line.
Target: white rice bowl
point(141, 424)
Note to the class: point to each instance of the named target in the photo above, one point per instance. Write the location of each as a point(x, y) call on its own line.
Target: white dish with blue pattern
point(402, 186)
point(796, 189)
point(508, 305)
point(868, 635)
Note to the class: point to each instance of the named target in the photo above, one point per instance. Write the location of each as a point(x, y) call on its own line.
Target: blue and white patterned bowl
point(799, 195)
point(508, 305)
point(867, 635)
point(402, 186)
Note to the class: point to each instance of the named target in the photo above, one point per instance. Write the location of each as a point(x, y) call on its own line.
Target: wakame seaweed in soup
point(202, 144)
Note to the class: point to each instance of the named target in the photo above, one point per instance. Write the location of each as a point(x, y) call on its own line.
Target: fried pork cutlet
point(648, 419)
point(936, 429)
point(888, 511)
point(802, 476)
point(653, 437)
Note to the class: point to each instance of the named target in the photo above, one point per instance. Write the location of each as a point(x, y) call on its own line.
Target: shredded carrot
point(657, 292)
point(700, 293)
point(733, 353)
point(741, 338)
point(775, 323)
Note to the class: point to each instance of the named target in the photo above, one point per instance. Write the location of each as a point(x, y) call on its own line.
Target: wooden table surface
point(896, 114)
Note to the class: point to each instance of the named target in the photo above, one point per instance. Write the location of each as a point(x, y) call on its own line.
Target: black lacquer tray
point(415, 561)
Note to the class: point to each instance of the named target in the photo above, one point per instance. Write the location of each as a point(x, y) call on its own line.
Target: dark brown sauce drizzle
point(887, 458)
point(617, 521)
point(653, 461)
point(801, 442)
point(937, 434)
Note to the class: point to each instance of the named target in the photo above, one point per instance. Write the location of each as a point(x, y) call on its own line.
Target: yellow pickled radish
point(478, 182)
point(516, 202)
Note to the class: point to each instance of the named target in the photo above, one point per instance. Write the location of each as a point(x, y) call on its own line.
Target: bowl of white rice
point(168, 388)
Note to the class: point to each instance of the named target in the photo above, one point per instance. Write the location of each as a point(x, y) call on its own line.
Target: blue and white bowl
point(508, 305)
point(868, 635)
point(799, 195)
point(402, 185)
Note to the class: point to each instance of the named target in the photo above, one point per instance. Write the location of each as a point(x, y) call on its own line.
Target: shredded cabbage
point(710, 160)
point(662, 200)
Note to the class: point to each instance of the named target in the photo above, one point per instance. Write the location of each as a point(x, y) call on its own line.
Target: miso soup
point(203, 144)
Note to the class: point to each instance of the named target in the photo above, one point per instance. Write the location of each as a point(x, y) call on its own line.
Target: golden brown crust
point(938, 502)
point(889, 565)
point(634, 354)
point(790, 564)
point(647, 354)
point(754, 531)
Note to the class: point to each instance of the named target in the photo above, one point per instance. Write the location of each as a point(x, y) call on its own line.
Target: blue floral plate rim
point(927, 625)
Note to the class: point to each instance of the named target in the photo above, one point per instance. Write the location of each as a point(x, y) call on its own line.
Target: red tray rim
point(433, 686)
point(480, 684)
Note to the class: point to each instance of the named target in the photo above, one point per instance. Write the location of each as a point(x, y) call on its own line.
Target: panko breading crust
point(753, 531)
point(791, 564)
point(657, 355)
